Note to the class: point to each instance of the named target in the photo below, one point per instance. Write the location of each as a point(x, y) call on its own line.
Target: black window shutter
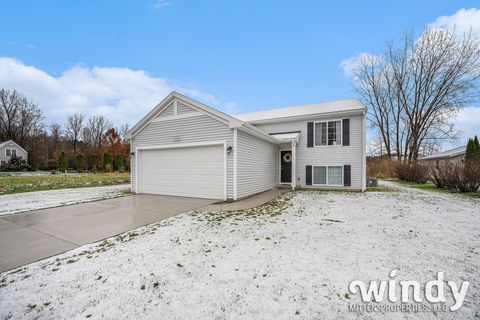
point(346, 132)
point(310, 135)
point(308, 175)
point(347, 175)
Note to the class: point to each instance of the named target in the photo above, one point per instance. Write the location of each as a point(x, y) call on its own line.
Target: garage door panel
point(191, 171)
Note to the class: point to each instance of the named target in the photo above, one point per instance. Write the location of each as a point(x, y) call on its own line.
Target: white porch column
point(294, 164)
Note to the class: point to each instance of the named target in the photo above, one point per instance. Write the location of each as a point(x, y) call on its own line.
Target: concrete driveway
point(31, 236)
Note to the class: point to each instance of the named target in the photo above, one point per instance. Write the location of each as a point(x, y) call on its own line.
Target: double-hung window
point(328, 133)
point(328, 175)
point(8, 152)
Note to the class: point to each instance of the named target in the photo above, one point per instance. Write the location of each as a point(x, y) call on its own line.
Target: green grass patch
point(429, 186)
point(17, 184)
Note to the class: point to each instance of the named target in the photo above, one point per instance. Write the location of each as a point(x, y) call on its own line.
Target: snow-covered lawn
point(293, 258)
point(28, 201)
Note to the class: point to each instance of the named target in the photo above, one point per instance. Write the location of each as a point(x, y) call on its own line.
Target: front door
point(286, 166)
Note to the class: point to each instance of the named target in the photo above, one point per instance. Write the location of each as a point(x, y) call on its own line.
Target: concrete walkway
point(247, 203)
point(31, 236)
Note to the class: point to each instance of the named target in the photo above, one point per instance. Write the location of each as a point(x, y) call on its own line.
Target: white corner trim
point(137, 175)
point(235, 155)
point(132, 185)
point(175, 107)
point(224, 170)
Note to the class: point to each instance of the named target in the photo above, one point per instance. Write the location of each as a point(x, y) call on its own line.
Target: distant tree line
point(81, 143)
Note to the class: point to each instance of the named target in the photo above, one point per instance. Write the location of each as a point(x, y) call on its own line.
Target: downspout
point(235, 154)
point(364, 155)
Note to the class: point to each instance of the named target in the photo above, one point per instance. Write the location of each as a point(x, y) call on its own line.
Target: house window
point(8, 152)
point(328, 133)
point(14, 153)
point(319, 175)
point(328, 175)
point(3, 162)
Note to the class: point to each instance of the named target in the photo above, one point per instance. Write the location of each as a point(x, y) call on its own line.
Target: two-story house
point(185, 148)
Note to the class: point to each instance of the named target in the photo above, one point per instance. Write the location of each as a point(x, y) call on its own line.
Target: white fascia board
point(310, 116)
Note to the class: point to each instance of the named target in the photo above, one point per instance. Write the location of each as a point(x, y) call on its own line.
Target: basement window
point(328, 175)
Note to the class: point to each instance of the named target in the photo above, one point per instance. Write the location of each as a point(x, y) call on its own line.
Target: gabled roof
point(447, 154)
point(325, 108)
point(231, 121)
point(4, 143)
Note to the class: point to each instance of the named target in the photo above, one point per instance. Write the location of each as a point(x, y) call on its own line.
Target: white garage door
point(187, 172)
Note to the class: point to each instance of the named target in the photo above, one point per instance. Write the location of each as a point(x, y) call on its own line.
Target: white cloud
point(468, 121)
point(350, 65)
point(463, 20)
point(121, 94)
point(161, 4)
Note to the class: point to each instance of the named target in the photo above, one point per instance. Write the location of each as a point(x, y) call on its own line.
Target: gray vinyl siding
point(202, 128)
point(20, 152)
point(168, 112)
point(257, 165)
point(326, 155)
point(182, 108)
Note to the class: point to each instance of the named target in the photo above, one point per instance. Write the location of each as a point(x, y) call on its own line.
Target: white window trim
point(326, 176)
point(328, 145)
point(6, 155)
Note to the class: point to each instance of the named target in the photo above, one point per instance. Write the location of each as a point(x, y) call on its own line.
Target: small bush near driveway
point(412, 172)
point(455, 175)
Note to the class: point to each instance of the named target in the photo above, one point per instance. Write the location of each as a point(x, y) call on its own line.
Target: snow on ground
point(28, 201)
point(293, 258)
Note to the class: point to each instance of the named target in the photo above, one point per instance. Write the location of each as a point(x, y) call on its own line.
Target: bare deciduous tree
point(19, 117)
point(414, 92)
point(55, 134)
point(95, 129)
point(124, 128)
point(74, 128)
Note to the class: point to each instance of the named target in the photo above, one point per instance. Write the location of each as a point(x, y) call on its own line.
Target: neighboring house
point(185, 148)
point(456, 154)
point(10, 148)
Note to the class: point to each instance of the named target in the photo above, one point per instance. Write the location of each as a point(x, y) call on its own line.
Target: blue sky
point(238, 56)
